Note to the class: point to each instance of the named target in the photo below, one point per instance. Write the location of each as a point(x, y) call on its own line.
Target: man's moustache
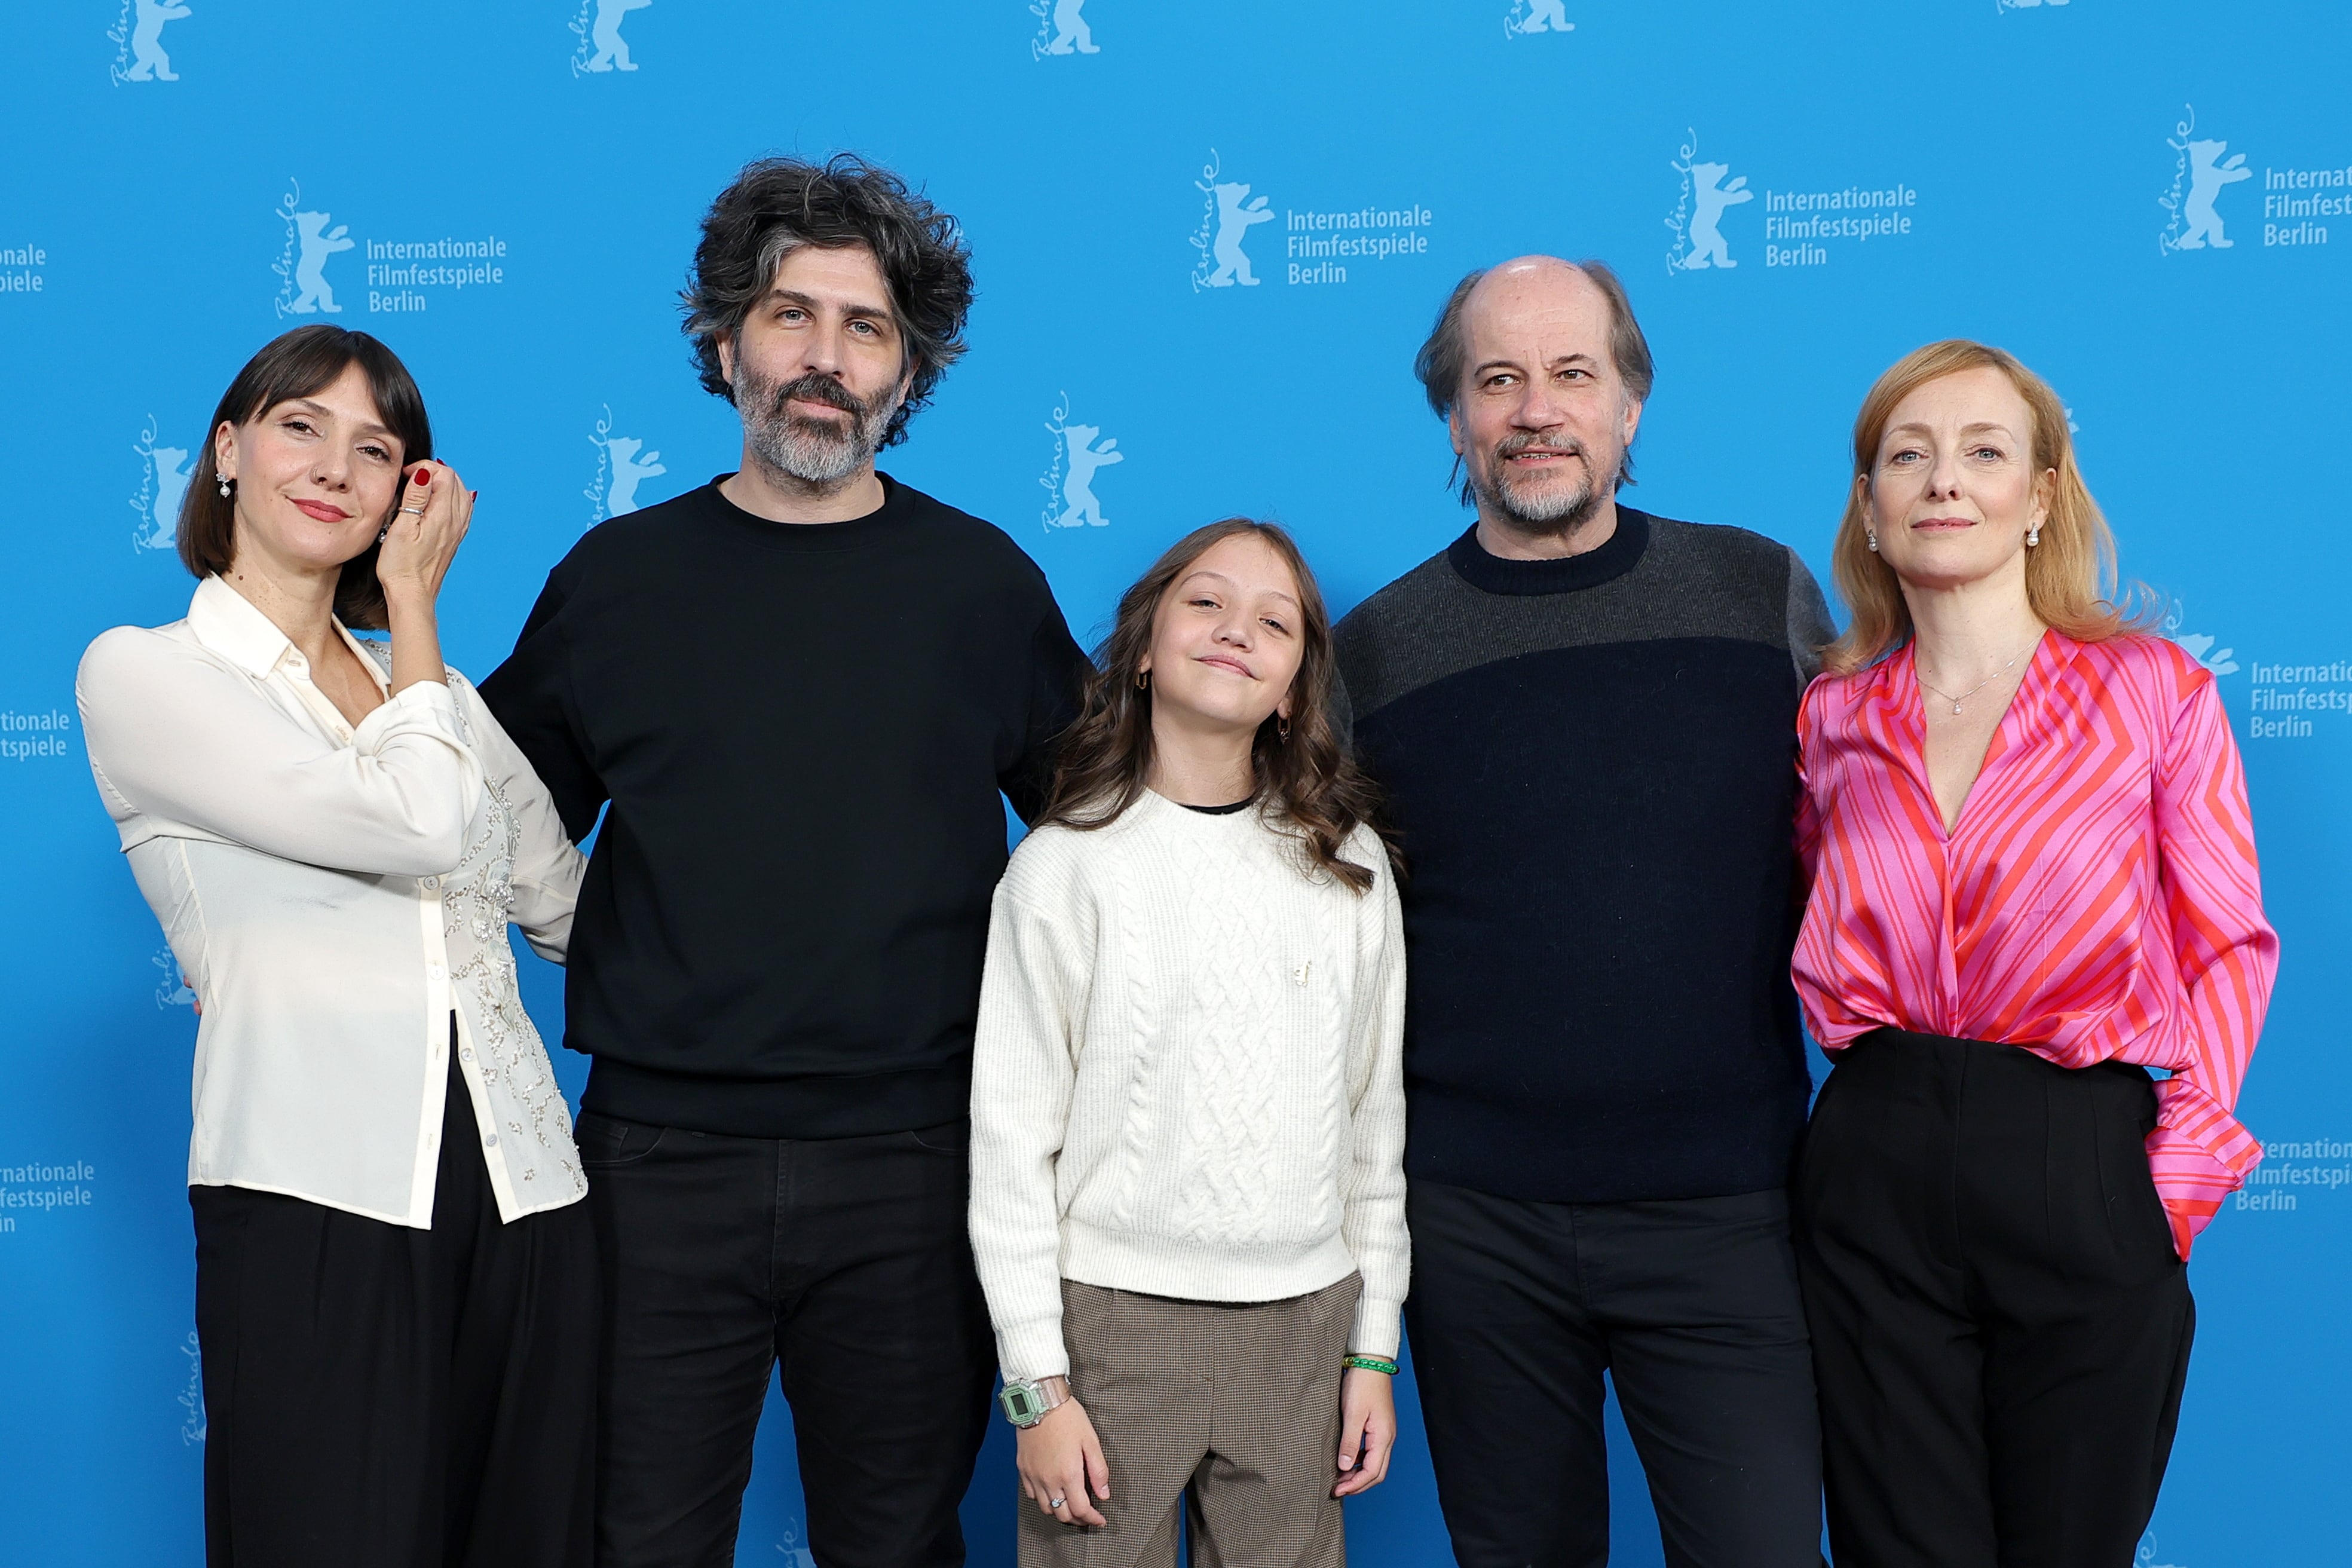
point(818, 390)
point(1513, 448)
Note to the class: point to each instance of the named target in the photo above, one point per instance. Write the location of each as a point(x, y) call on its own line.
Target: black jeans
point(2000, 1323)
point(847, 1261)
point(1690, 1304)
point(384, 1398)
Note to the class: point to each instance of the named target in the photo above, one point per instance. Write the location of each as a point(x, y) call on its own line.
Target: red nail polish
point(423, 476)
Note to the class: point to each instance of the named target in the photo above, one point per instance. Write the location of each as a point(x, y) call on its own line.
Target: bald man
point(1585, 718)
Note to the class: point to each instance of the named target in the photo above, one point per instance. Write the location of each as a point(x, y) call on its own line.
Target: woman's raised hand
point(423, 537)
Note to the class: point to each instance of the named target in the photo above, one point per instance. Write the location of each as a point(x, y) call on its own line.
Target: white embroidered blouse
point(333, 894)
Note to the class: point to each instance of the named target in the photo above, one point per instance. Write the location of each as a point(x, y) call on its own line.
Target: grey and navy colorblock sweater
point(1592, 766)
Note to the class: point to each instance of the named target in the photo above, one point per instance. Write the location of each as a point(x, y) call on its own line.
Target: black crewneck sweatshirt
point(1591, 764)
point(803, 731)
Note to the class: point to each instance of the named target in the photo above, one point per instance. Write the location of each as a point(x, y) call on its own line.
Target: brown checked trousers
point(1227, 1411)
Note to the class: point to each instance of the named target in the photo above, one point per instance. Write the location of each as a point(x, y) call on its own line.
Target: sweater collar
point(1155, 807)
point(850, 533)
point(1564, 575)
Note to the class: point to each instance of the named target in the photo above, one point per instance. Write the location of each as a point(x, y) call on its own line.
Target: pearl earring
point(224, 487)
point(2033, 536)
point(1873, 534)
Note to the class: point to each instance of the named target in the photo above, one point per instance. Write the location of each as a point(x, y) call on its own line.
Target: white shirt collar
point(229, 624)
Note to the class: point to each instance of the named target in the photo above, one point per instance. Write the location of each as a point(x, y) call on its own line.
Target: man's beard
point(1540, 505)
point(813, 450)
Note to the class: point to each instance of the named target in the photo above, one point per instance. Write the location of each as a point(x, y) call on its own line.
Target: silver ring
point(1060, 1502)
point(417, 509)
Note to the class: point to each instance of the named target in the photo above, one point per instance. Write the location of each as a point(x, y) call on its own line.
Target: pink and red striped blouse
point(2098, 899)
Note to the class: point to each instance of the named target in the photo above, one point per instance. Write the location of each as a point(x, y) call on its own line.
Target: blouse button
point(492, 1141)
point(434, 972)
point(429, 883)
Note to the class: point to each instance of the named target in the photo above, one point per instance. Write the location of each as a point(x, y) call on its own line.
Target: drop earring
point(2033, 536)
point(1872, 535)
point(224, 487)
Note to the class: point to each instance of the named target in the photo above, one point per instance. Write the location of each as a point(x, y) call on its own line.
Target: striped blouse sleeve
point(2227, 955)
point(1808, 826)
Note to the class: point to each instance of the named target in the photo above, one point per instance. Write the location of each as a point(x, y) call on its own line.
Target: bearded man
point(1585, 720)
point(800, 696)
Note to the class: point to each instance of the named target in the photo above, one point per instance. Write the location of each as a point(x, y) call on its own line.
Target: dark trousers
point(383, 1397)
point(845, 1263)
point(1691, 1305)
point(2000, 1323)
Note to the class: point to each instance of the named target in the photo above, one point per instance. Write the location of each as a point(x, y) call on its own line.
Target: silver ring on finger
point(1060, 1503)
point(418, 511)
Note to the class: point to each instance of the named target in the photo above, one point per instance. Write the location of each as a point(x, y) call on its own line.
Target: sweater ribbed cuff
point(1376, 1332)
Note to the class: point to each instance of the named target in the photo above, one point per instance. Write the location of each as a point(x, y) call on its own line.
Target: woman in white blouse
point(395, 1278)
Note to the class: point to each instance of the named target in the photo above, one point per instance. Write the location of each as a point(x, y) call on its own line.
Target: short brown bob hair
point(2070, 576)
point(1308, 783)
point(302, 363)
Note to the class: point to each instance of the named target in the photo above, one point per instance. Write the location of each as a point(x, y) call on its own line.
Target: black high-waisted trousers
point(2000, 1325)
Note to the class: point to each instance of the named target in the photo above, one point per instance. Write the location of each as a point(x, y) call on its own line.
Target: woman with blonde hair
point(1188, 1095)
point(2032, 881)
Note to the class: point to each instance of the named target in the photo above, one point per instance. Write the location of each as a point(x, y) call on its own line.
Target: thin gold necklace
point(1981, 684)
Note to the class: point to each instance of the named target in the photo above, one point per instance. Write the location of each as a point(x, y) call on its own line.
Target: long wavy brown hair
point(1309, 784)
point(2070, 576)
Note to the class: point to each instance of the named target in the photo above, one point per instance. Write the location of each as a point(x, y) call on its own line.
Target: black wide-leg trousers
point(378, 1396)
point(2000, 1324)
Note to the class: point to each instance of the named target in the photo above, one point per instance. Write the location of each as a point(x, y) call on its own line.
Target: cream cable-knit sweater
point(1187, 1077)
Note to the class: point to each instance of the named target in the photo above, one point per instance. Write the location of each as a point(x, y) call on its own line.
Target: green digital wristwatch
point(1027, 1401)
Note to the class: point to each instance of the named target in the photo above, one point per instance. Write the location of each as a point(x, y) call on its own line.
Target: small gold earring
point(1282, 728)
point(1142, 680)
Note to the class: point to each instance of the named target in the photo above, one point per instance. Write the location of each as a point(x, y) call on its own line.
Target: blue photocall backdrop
point(1208, 234)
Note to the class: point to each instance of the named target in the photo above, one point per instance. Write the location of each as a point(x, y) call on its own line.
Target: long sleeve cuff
point(1376, 1332)
point(1031, 1349)
point(427, 705)
point(2193, 1180)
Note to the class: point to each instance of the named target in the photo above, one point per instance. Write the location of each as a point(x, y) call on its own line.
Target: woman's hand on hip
point(424, 535)
point(1367, 1430)
point(1061, 1463)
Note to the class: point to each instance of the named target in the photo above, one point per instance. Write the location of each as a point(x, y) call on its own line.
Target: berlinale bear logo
point(1079, 452)
point(1228, 214)
point(161, 484)
point(601, 48)
point(1060, 29)
point(302, 285)
point(1527, 17)
point(622, 465)
point(139, 36)
point(2199, 174)
point(1706, 194)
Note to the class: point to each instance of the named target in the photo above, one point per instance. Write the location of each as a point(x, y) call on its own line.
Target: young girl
point(1188, 1105)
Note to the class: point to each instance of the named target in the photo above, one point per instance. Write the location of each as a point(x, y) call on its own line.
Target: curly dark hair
point(1310, 782)
point(778, 205)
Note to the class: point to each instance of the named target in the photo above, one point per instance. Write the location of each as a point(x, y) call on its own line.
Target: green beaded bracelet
point(1373, 1364)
